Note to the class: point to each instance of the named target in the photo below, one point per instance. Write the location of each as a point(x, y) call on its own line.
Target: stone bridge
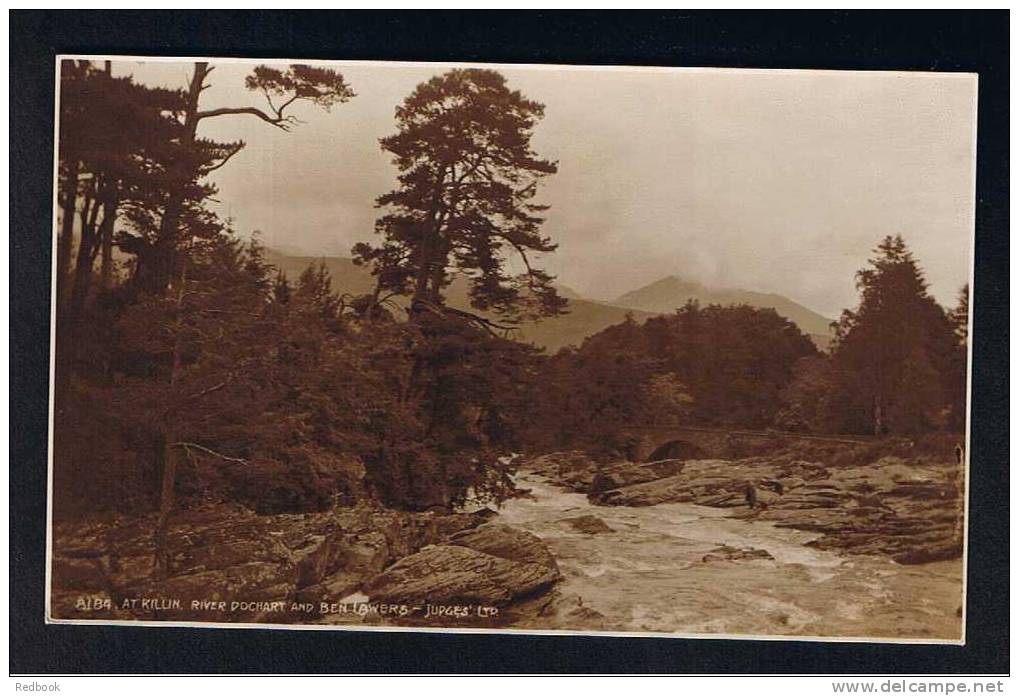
point(713, 443)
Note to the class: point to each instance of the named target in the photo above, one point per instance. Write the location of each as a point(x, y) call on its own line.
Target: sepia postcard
point(515, 348)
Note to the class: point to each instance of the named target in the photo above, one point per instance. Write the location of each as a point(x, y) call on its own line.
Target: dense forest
point(189, 370)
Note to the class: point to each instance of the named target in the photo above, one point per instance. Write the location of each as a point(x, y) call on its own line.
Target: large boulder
point(588, 524)
point(672, 489)
point(713, 482)
point(629, 474)
point(450, 574)
point(506, 542)
point(494, 565)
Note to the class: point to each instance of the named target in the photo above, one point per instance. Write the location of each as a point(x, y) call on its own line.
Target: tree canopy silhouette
point(188, 164)
point(468, 177)
point(894, 353)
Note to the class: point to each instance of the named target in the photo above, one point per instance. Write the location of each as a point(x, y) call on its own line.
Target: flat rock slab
point(572, 469)
point(450, 574)
point(494, 565)
point(909, 510)
point(509, 543)
point(628, 474)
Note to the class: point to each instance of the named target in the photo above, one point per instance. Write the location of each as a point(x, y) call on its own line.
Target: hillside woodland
point(192, 369)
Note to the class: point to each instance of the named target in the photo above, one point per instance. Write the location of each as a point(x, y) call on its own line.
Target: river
point(649, 574)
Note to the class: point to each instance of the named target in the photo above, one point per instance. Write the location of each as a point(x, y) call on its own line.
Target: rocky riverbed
point(679, 567)
point(910, 510)
point(672, 546)
point(229, 564)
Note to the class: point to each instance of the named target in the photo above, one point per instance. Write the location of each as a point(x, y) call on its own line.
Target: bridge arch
point(651, 442)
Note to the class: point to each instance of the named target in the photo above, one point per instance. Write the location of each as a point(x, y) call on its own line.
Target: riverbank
point(673, 547)
point(362, 565)
point(860, 500)
point(227, 564)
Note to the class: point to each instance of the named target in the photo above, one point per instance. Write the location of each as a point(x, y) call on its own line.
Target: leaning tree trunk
point(157, 277)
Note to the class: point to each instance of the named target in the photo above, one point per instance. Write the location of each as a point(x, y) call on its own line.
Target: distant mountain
point(665, 295)
point(584, 317)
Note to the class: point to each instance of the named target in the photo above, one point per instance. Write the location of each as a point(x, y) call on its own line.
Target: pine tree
point(960, 315)
point(468, 176)
point(185, 167)
point(893, 352)
point(958, 372)
point(109, 128)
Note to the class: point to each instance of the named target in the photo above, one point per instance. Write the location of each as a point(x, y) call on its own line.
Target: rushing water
point(649, 574)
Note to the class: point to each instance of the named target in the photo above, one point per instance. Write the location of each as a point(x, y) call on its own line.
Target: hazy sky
point(776, 181)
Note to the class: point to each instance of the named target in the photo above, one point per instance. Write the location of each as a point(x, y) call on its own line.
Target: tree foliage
point(468, 177)
point(204, 374)
point(709, 365)
point(896, 354)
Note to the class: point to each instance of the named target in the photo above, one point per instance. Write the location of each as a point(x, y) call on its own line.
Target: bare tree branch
point(281, 122)
point(200, 448)
point(210, 390)
point(443, 311)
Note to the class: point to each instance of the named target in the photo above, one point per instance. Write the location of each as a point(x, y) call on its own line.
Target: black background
point(952, 41)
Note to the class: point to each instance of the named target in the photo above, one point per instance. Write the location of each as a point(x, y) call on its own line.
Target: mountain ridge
point(671, 292)
point(585, 317)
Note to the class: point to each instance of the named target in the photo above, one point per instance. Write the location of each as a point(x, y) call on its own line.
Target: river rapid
point(649, 574)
